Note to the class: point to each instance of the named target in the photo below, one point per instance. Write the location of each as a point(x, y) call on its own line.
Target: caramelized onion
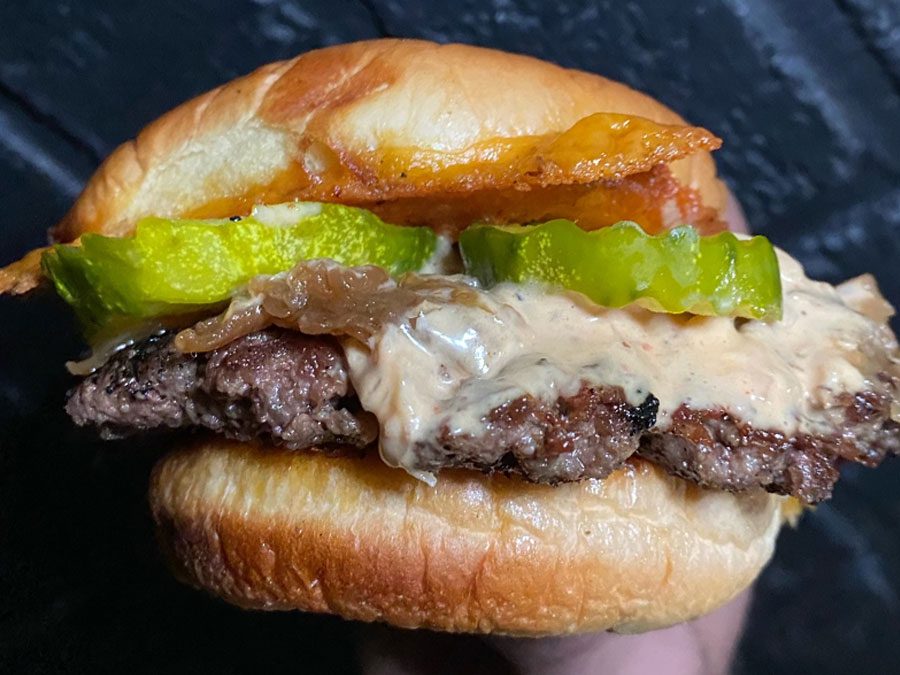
point(322, 297)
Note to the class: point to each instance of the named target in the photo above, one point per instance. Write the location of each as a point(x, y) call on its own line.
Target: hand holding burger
point(459, 339)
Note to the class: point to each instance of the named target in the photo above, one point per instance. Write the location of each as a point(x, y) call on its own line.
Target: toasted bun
point(318, 127)
point(272, 529)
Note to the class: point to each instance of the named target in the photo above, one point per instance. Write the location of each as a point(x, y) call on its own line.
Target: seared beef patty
point(294, 390)
point(713, 449)
point(279, 385)
point(588, 435)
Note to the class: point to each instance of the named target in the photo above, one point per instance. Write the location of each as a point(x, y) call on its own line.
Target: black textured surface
point(806, 96)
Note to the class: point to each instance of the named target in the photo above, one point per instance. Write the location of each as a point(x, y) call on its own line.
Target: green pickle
point(677, 271)
point(176, 266)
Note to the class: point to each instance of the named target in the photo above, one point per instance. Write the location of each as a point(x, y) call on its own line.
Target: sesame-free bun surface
point(371, 122)
point(272, 529)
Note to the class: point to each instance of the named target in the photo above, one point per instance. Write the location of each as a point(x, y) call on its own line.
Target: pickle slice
point(172, 266)
point(678, 271)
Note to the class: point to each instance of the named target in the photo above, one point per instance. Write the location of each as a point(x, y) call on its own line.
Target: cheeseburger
point(452, 338)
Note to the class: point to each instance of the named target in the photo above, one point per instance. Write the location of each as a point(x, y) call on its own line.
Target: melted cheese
point(451, 364)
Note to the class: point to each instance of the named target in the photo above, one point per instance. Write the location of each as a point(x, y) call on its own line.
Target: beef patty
point(294, 390)
point(282, 386)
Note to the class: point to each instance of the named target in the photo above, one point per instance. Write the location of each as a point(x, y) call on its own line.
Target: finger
point(701, 647)
point(383, 650)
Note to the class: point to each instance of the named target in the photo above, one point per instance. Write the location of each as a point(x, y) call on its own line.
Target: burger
point(451, 338)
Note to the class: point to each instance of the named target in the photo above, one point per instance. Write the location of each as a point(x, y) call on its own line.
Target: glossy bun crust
point(271, 529)
point(371, 123)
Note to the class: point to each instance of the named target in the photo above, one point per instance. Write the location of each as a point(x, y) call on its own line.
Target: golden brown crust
point(324, 126)
point(271, 529)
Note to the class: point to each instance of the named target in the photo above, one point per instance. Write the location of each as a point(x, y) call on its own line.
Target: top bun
point(277, 133)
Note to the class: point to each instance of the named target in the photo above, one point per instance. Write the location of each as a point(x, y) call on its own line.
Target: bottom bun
point(270, 529)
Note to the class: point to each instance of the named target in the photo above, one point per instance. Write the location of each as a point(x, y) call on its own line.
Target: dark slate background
point(805, 94)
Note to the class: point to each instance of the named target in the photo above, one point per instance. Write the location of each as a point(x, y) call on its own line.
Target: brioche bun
point(272, 529)
point(270, 136)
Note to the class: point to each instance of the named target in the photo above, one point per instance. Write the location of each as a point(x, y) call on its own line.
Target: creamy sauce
point(451, 364)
